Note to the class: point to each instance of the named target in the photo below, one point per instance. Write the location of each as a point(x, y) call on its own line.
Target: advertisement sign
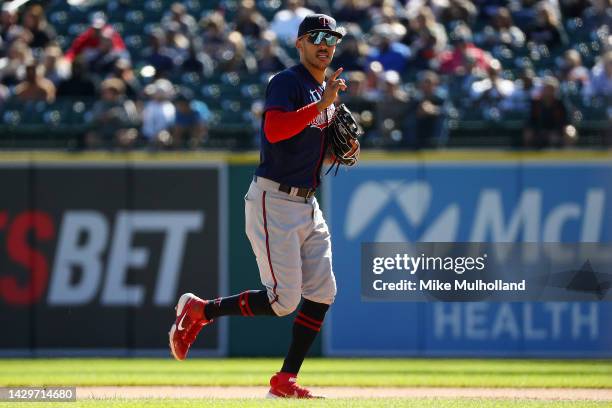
point(94, 257)
point(466, 202)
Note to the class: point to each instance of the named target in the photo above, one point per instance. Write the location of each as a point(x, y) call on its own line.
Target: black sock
point(306, 326)
point(248, 303)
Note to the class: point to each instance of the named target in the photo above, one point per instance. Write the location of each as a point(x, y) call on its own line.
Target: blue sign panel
point(466, 202)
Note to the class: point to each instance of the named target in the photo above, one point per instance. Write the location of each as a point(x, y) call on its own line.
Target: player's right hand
point(332, 87)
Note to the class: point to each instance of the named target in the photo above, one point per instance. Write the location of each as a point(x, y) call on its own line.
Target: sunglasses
point(318, 37)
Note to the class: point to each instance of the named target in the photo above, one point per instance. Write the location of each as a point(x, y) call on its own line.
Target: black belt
point(298, 191)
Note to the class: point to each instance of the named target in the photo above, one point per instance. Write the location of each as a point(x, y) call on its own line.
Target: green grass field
point(336, 403)
point(316, 372)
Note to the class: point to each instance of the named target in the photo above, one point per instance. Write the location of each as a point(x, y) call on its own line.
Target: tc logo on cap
point(324, 21)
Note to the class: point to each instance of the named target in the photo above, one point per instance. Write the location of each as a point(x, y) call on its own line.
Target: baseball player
point(284, 223)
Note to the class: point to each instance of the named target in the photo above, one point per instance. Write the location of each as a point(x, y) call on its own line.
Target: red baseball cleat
point(284, 385)
point(187, 325)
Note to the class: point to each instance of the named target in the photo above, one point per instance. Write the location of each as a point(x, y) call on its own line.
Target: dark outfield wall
point(93, 257)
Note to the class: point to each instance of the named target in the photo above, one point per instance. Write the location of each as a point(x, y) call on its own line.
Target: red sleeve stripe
point(306, 324)
point(246, 304)
point(309, 319)
point(279, 125)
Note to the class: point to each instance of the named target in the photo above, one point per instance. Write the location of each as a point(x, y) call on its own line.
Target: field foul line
point(193, 392)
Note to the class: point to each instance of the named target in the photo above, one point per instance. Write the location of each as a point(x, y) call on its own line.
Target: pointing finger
point(336, 74)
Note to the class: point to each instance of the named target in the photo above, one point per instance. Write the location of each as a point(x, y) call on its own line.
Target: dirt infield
point(349, 392)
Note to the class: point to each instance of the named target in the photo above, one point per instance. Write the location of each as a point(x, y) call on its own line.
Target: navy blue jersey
point(296, 161)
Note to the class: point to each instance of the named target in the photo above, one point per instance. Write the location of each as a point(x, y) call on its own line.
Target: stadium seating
point(230, 96)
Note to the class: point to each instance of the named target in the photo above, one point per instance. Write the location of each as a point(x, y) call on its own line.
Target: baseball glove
point(343, 134)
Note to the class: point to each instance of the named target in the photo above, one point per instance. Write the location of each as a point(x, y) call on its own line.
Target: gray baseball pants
point(292, 244)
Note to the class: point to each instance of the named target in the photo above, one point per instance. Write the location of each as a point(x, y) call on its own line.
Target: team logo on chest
point(315, 95)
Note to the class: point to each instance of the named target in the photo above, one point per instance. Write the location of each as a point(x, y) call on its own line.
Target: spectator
point(177, 44)
point(387, 14)
point(421, 28)
point(35, 87)
point(391, 107)
point(271, 58)
point(600, 84)
point(414, 6)
point(490, 92)
point(374, 74)
point(352, 55)
point(463, 54)
point(572, 70)
point(547, 30)
point(214, 38)
point(159, 113)
point(88, 42)
point(502, 31)
point(598, 15)
point(12, 66)
point(158, 56)
point(523, 12)
point(103, 60)
point(114, 117)
point(424, 50)
point(362, 106)
point(8, 23)
point(286, 21)
point(235, 57)
point(459, 11)
point(249, 21)
point(79, 84)
point(18, 33)
point(573, 8)
point(392, 54)
point(191, 121)
point(123, 71)
point(56, 69)
point(357, 88)
point(197, 60)
point(526, 87)
point(178, 15)
point(548, 123)
point(4, 94)
point(427, 113)
point(354, 11)
point(488, 8)
point(35, 21)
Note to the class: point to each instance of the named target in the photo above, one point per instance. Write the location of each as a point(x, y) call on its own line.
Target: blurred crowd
point(413, 67)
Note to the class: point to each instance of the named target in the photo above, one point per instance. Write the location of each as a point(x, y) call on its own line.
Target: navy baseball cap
point(318, 22)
